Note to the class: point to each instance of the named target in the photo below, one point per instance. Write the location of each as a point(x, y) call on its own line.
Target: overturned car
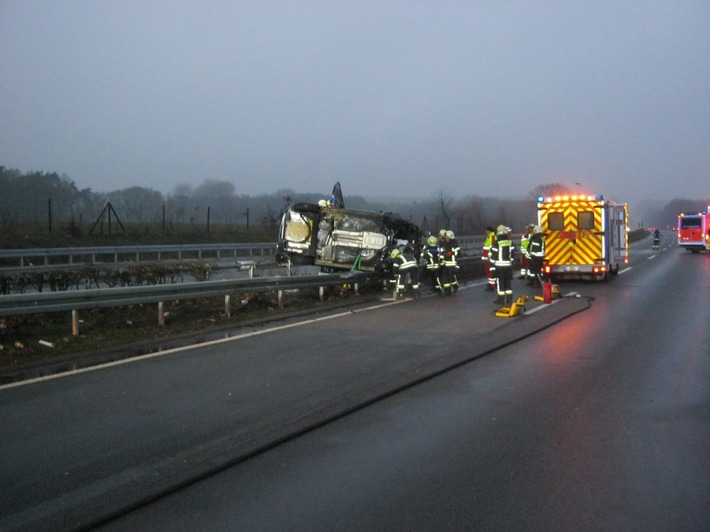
point(336, 238)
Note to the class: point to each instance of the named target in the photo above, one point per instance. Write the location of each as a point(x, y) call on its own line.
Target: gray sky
point(387, 97)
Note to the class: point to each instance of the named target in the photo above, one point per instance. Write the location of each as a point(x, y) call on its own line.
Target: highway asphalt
point(79, 503)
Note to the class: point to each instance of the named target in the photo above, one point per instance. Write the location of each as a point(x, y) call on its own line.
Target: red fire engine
point(694, 231)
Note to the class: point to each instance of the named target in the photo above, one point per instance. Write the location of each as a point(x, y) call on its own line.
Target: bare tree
point(179, 201)
point(271, 219)
point(139, 204)
point(443, 204)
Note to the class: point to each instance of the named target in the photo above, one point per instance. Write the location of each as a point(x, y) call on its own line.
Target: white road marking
point(546, 305)
point(202, 344)
point(386, 302)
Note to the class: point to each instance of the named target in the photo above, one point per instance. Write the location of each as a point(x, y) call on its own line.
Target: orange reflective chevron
point(573, 232)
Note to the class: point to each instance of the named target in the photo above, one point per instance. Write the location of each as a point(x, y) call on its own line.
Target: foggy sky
point(390, 98)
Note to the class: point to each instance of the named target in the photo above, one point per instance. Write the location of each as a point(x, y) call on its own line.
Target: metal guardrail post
point(75, 322)
point(228, 305)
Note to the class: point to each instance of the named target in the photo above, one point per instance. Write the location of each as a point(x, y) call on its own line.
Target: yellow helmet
point(431, 241)
point(395, 253)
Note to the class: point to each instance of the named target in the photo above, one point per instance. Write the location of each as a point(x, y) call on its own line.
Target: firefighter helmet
point(431, 241)
point(395, 253)
point(450, 234)
point(503, 229)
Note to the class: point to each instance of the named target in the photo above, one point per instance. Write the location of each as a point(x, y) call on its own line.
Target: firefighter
point(536, 248)
point(406, 271)
point(453, 243)
point(656, 238)
point(524, 254)
point(502, 255)
point(490, 271)
point(430, 253)
point(441, 237)
point(448, 253)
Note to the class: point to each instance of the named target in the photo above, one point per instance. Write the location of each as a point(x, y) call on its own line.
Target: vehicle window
point(687, 223)
point(585, 220)
point(555, 221)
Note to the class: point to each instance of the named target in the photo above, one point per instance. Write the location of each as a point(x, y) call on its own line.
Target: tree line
point(48, 197)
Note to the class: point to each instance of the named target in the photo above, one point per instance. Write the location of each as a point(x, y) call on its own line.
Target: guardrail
point(63, 257)
point(30, 257)
point(76, 300)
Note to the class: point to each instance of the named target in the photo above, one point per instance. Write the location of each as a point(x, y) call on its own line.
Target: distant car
point(336, 238)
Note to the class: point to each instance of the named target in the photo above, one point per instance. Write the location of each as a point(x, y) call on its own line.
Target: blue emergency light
point(571, 197)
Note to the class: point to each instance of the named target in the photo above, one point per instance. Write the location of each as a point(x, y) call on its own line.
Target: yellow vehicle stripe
point(571, 246)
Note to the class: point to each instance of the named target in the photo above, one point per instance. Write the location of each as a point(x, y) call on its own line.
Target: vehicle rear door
point(574, 234)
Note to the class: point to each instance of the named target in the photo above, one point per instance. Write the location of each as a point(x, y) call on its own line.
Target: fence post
point(161, 314)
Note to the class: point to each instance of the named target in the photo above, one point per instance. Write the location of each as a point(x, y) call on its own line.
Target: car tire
point(305, 207)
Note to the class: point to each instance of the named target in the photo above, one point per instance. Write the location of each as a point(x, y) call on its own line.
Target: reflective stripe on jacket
point(537, 246)
point(502, 252)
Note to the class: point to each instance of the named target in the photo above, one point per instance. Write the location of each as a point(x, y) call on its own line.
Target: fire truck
point(586, 237)
point(693, 231)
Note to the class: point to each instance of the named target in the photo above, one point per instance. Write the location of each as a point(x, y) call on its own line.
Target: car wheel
point(305, 207)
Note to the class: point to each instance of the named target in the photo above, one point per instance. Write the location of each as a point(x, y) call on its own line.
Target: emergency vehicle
point(693, 231)
point(586, 237)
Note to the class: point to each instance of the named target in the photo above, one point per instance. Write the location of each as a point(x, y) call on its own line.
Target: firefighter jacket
point(447, 253)
point(455, 248)
point(502, 252)
point(524, 244)
point(487, 243)
point(537, 246)
point(431, 255)
point(403, 261)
